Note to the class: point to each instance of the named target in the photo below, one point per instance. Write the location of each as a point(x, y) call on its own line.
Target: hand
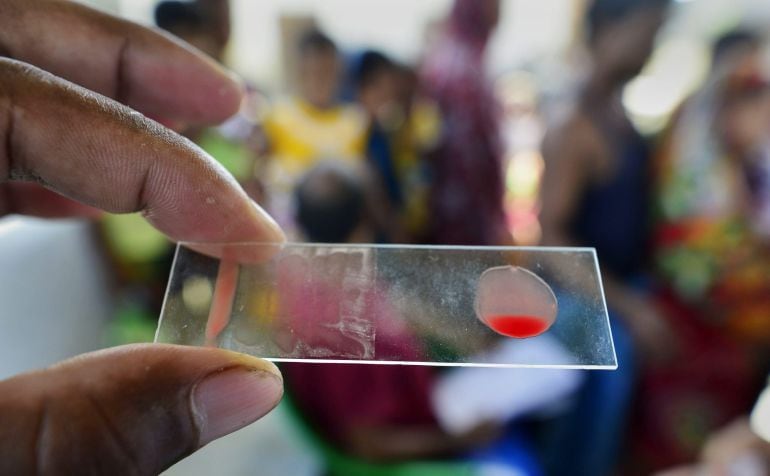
point(733, 443)
point(656, 339)
point(733, 450)
point(65, 133)
point(129, 410)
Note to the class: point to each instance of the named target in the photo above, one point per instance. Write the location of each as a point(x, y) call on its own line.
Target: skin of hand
point(76, 88)
point(733, 441)
point(724, 449)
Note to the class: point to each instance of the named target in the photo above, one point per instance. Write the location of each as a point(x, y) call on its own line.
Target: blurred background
point(639, 127)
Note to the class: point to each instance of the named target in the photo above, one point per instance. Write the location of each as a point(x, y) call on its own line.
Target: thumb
point(129, 410)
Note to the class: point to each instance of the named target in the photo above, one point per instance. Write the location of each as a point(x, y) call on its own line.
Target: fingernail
point(276, 233)
point(229, 400)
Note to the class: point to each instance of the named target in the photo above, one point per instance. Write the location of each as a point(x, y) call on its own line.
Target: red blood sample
point(515, 302)
point(518, 326)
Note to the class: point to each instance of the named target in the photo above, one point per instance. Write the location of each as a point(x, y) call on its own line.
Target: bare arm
point(571, 154)
point(566, 151)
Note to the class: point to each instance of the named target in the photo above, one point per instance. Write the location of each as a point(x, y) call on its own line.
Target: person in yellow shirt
point(311, 126)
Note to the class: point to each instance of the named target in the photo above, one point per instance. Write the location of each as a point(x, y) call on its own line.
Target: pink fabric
point(466, 203)
point(336, 398)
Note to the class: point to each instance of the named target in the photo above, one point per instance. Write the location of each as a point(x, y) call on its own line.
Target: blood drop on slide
point(515, 302)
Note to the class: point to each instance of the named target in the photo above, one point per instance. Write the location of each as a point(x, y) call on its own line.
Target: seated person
point(711, 262)
point(402, 127)
point(375, 77)
point(395, 420)
point(311, 126)
point(712, 245)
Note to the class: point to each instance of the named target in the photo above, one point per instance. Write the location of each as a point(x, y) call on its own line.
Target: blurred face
point(319, 77)
point(380, 93)
point(745, 123)
point(622, 48)
point(406, 86)
point(742, 62)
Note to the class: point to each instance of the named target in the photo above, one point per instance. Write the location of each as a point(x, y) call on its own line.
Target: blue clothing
point(613, 216)
point(380, 155)
point(587, 440)
point(511, 455)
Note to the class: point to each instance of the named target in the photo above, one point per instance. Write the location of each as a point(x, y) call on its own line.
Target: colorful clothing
point(379, 152)
point(711, 382)
point(715, 290)
point(466, 198)
point(326, 394)
point(338, 400)
point(235, 156)
point(397, 153)
point(710, 249)
point(411, 141)
point(301, 135)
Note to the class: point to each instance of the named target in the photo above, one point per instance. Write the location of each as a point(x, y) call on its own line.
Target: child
point(394, 421)
point(311, 126)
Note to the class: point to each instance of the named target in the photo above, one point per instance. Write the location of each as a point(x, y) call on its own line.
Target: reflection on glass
point(392, 304)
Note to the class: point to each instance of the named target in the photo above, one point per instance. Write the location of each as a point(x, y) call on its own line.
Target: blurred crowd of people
point(368, 149)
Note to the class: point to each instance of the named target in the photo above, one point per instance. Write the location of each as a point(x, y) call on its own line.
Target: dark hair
point(329, 203)
point(603, 13)
point(733, 40)
point(172, 14)
point(369, 65)
point(315, 41)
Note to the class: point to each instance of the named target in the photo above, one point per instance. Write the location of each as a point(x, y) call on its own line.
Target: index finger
point(144, 69)
point(101, 153)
